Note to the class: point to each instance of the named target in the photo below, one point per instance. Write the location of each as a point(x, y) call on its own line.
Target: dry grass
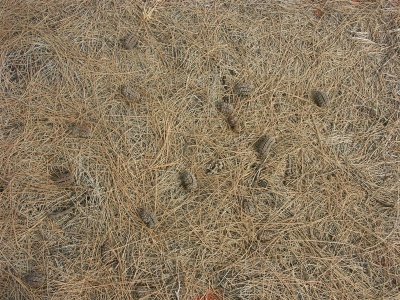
point(317, 218)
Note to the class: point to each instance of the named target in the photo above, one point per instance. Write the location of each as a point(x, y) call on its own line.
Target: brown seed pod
point(130, 41)
point(319, 98)
point(188, 180)
point(130, 94)
point(82, 129)
point(262, 183)
point(243, 89)
point(233, 122)
point(215, 166)
point(247, 206)
point(224, 108)
point(35, 279)
point(291, 170)
point(147, 217)
point(263, 145)
point(62, 176)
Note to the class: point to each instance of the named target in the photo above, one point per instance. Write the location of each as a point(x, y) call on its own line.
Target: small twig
point(178, 291)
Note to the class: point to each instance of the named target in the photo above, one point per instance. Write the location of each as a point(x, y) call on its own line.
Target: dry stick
point(179, 289)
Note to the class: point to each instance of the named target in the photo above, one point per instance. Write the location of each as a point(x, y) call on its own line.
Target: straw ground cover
point(169, 149)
